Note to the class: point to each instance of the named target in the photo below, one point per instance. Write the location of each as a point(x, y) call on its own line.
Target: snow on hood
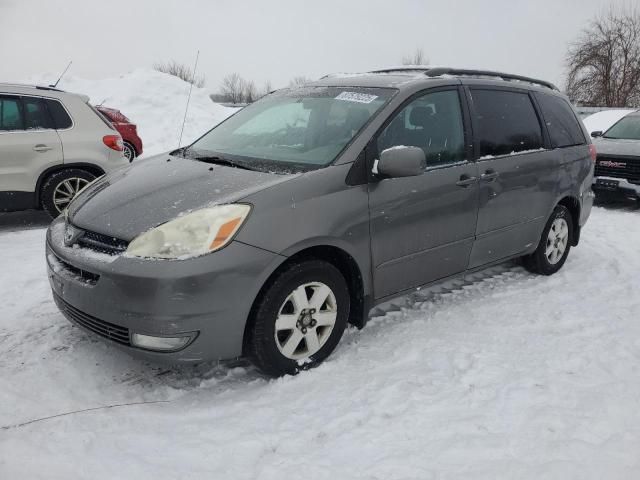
point(150, 192)
point(154, 101)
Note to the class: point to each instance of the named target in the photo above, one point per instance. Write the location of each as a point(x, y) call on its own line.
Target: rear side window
point(10, 114)
point(36, 116)
point(564, 129)
point(506, 122)
point(61, 118)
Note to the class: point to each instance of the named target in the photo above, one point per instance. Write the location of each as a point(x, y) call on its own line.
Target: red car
point(128, 131)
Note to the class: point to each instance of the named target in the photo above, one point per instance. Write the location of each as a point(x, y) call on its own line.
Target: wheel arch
point(340, 259)
point(89, 167)
point(572, 204)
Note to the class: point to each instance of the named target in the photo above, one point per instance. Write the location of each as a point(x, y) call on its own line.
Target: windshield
point(296, 129)
point(627, 128)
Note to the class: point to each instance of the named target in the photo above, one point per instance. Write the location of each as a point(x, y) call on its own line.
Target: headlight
point(193, 234)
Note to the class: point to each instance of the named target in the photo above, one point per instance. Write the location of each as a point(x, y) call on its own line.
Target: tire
point(60, 188)
point(554, 245)
point(272, 349)
point(129, 151)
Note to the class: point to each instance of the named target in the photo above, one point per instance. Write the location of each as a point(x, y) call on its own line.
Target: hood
point(132, 200)
point(610, 146)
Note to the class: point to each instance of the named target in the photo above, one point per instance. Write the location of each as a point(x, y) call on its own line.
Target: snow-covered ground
point(511, 376)
point(154, 101)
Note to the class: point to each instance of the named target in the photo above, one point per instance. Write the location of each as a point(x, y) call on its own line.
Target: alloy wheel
point(129, 152)
point(557, 240)
point(66, 190)
point(305, 320)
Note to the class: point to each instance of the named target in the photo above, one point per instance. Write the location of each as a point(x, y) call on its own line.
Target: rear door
point(518, 174)
point(422, 227)
point(28, 142)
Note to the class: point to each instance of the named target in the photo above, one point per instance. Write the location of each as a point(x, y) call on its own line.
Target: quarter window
point(564, 129)
point(10, 114)
point(506, 122)
point(432, 122)
point(61, 118)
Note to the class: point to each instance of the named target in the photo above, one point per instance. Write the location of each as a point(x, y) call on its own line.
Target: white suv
point(52, 144)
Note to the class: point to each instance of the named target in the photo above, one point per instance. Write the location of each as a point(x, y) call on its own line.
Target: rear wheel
point(60, 188)
point(299, 318)
point(129, 151)
point(554, 245)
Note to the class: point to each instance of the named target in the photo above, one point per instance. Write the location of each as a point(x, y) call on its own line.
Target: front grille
point(105, 329)
point(102, 243)
point(618, 167)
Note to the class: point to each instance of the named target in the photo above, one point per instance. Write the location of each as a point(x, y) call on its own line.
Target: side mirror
point(597, 133)
point(401, 161)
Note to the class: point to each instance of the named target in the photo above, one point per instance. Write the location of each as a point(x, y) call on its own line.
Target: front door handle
point(466, 180)
point(489, 176)
point(42, 148)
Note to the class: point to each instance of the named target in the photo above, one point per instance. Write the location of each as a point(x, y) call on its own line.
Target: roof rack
point(27, 85)
point(436, 72)
point(404, 68)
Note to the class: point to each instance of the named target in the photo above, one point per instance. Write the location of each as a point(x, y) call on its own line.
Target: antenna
point(60, 77)
point(193, 79)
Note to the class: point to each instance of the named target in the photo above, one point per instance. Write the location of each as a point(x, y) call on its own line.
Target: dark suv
point(304, 210)
point(618, 164)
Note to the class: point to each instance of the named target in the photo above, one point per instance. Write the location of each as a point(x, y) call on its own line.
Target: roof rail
point(27, 85)
point(436, 72)
point(405, 68)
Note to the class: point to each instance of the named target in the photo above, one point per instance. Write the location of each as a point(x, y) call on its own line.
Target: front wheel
point(298, 319)
point(554, 245)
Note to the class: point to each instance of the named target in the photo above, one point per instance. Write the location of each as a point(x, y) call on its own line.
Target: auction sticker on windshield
point(356, 97)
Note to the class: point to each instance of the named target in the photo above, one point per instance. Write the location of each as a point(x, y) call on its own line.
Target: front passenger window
point(10, 116)
point(432, 122)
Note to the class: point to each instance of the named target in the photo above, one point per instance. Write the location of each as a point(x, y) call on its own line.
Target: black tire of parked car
point(538, 262)
point(260, 344)
point(47, 192)
point(129, 151)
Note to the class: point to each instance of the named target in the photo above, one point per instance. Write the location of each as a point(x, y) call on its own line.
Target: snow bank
point(154, 101)
point(514, 376)
point(602, 121)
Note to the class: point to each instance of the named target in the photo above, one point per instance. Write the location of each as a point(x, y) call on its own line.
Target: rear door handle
point(466, 180)
point(42, 148)
point(489, 176)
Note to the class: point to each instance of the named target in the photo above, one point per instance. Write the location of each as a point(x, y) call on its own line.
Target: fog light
point(160, 344)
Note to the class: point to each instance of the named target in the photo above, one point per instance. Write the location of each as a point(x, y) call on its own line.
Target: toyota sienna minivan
point(295, 216)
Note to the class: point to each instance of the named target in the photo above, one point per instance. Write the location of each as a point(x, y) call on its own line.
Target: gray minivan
point(302, 211)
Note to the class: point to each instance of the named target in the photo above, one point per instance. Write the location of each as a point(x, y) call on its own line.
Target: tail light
point(114, 142)
point(593, 152)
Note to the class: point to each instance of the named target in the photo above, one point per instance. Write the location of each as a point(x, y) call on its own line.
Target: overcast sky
point(276, 40)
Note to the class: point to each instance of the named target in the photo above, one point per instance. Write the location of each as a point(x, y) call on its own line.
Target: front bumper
point(208, 297)
point(616, 187)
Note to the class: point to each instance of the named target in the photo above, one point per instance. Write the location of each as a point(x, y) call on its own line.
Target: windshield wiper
point(216, 159)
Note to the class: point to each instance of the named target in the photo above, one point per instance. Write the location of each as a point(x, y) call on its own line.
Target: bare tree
point(266, 89)
point(604, 63)
point(181, 71)
point(232, 88)
point(418, 58)
point(249, 91)
point(299, 81)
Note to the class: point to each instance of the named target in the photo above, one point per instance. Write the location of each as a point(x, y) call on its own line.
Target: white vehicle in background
point(604, 120)
point(52, 144)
